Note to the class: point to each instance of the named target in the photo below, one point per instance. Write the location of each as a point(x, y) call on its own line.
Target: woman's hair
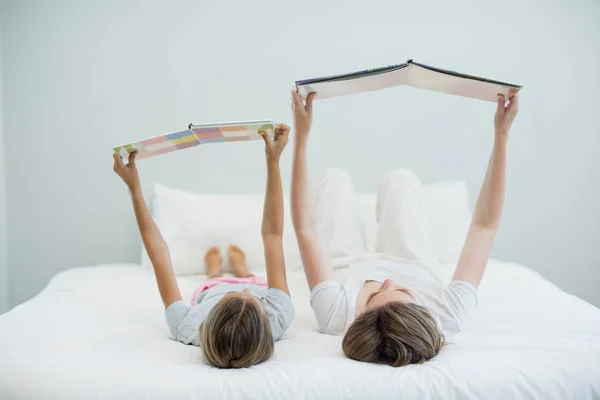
point(395, 334)
point(236, 334)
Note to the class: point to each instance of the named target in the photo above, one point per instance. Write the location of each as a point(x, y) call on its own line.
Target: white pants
point(402, 228)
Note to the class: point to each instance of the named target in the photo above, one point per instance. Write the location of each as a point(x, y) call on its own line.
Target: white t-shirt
point(334, 303)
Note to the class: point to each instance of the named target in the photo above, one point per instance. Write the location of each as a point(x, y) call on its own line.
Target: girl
point(392, 309)
point(236, 324)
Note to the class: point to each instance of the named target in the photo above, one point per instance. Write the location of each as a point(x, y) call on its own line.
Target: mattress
point(99, 333)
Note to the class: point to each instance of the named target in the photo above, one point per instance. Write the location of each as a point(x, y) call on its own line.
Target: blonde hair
point(236, 334)
point(395, 334)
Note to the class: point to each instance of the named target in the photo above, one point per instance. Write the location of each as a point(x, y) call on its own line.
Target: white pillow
point(192, 223)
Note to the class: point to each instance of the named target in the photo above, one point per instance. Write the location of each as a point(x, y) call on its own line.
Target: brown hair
point(236, 334)
point(395, 334)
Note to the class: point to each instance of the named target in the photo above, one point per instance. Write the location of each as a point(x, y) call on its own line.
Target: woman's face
point(387, 293)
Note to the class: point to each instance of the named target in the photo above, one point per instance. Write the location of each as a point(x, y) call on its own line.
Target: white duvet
point(100, 333)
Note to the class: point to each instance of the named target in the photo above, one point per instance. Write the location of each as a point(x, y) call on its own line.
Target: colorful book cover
point(196, 135)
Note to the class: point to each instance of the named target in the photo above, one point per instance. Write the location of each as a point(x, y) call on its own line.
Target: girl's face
point(387, 293)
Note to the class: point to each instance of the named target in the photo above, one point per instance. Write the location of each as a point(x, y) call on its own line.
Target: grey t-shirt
point(184, 321)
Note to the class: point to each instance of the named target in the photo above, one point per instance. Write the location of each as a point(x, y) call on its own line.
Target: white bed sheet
point(99, 333)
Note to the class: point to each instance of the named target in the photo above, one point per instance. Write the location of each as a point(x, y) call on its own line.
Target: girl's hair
point(395, 334)
point(236, 334)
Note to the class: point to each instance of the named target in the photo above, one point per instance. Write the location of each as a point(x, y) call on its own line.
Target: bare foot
point(237, 258)
point(213, 262)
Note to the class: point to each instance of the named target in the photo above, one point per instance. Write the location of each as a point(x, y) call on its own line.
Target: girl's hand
point(274, 147)
point(302, 113)
point(129, 172)
point(505, 115)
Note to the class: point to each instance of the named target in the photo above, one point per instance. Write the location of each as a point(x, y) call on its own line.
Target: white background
point(81, 77)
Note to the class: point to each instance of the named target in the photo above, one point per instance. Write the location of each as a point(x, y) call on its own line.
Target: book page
point(357, 85)
point(424, 78)
point(353, 75)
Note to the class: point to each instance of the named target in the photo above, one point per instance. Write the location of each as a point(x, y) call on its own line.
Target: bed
point(99, 333)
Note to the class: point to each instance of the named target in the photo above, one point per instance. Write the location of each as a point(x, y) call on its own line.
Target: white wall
point(81, 77)
point(4, 298)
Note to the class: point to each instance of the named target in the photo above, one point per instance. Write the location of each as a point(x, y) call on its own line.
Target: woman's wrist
point(135, 188)
point(273, 162)
point(301, 142)
point(500, 140)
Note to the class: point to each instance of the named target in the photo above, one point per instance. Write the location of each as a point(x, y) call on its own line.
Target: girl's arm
point(272, 225)
point(490, 202)
point(157, 248)
point(315, 258)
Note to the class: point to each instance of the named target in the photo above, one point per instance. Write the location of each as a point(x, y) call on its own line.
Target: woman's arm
point(317, 265)
point(157, 248)
point(490, 202)
point(272, 225)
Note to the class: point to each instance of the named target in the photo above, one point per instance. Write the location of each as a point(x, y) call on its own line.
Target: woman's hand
point(302, 113)
point(505, 115)
point(274, 147)
point(129, 172)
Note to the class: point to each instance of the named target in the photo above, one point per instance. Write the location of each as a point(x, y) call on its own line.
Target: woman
point(391, 309)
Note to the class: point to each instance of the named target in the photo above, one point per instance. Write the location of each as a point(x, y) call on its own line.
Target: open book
point(196, 135)
point(410, 73)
